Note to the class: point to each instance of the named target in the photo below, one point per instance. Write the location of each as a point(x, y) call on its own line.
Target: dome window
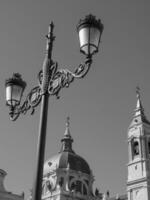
point(73, 186)
point(78, 186)
point(86, 181)
point(61, 181)
point(84, 190)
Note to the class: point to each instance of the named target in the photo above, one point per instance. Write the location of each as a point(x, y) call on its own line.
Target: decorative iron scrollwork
point(63, 77)
point(32, 100)
point(57, 79)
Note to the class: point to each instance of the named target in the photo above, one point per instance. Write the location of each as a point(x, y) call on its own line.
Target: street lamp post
point(51, 81)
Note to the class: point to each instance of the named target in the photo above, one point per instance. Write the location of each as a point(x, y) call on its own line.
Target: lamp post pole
point(37, 186)
point(51, 81)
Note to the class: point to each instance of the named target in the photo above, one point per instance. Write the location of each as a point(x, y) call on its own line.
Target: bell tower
point(138, 181)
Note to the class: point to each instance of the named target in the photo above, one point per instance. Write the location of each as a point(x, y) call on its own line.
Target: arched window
point(84, 190)
point(61, 181)
point(149, 146)
point(73, 185)
point(136, 148)
point(76, 186)
point(79, 186)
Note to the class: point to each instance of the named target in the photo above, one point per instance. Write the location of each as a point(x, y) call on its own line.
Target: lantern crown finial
point(91, 21)
point(16, 80)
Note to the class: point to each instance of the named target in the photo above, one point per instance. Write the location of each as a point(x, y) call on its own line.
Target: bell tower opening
point(135, 148)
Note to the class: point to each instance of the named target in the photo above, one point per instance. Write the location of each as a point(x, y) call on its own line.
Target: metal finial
point(50, 39)
point(50, 30)
point(138, 94)
point(67, 131)
point(67, 139)
point(138, 91)
point(68, 122)
point(139, 103)
point(52, 24)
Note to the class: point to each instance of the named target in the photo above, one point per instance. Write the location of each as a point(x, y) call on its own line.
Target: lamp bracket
point(58, 79)
point(32, 100)
point(63, 77)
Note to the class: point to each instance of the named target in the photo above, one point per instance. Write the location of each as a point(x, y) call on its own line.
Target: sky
point(100, 106)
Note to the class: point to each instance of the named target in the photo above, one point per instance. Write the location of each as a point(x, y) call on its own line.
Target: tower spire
point(67, 140)
point(139, 106)
point(139, 115)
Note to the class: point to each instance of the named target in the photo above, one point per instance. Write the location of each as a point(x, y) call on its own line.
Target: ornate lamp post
point(51, 81)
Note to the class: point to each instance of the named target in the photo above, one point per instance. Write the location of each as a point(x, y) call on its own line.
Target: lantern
point(14, 90)
point(90, 31)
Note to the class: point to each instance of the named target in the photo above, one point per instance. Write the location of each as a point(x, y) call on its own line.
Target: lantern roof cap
point(90, 20)
point(16, 80)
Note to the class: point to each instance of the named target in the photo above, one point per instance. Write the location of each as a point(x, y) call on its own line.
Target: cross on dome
point(67, 132)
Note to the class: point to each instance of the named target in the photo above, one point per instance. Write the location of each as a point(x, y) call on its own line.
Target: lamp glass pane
point(8, 93)
point(17, 93)
point(13, 94)
point(94, 36)
point(84, 39)
point(94, 39)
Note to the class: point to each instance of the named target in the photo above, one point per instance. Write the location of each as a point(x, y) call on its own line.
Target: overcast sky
point(100, 106)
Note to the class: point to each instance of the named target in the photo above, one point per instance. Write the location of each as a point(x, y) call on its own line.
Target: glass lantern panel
point(13, 94)
point(17, 93)
point(84, 39)
point(94, 39)
point(8, 94)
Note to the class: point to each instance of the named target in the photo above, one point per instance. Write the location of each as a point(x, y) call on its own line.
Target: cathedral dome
point(67, 158)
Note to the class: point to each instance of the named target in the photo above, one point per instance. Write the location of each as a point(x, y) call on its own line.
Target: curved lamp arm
point(61, 78)
point(58, 79)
